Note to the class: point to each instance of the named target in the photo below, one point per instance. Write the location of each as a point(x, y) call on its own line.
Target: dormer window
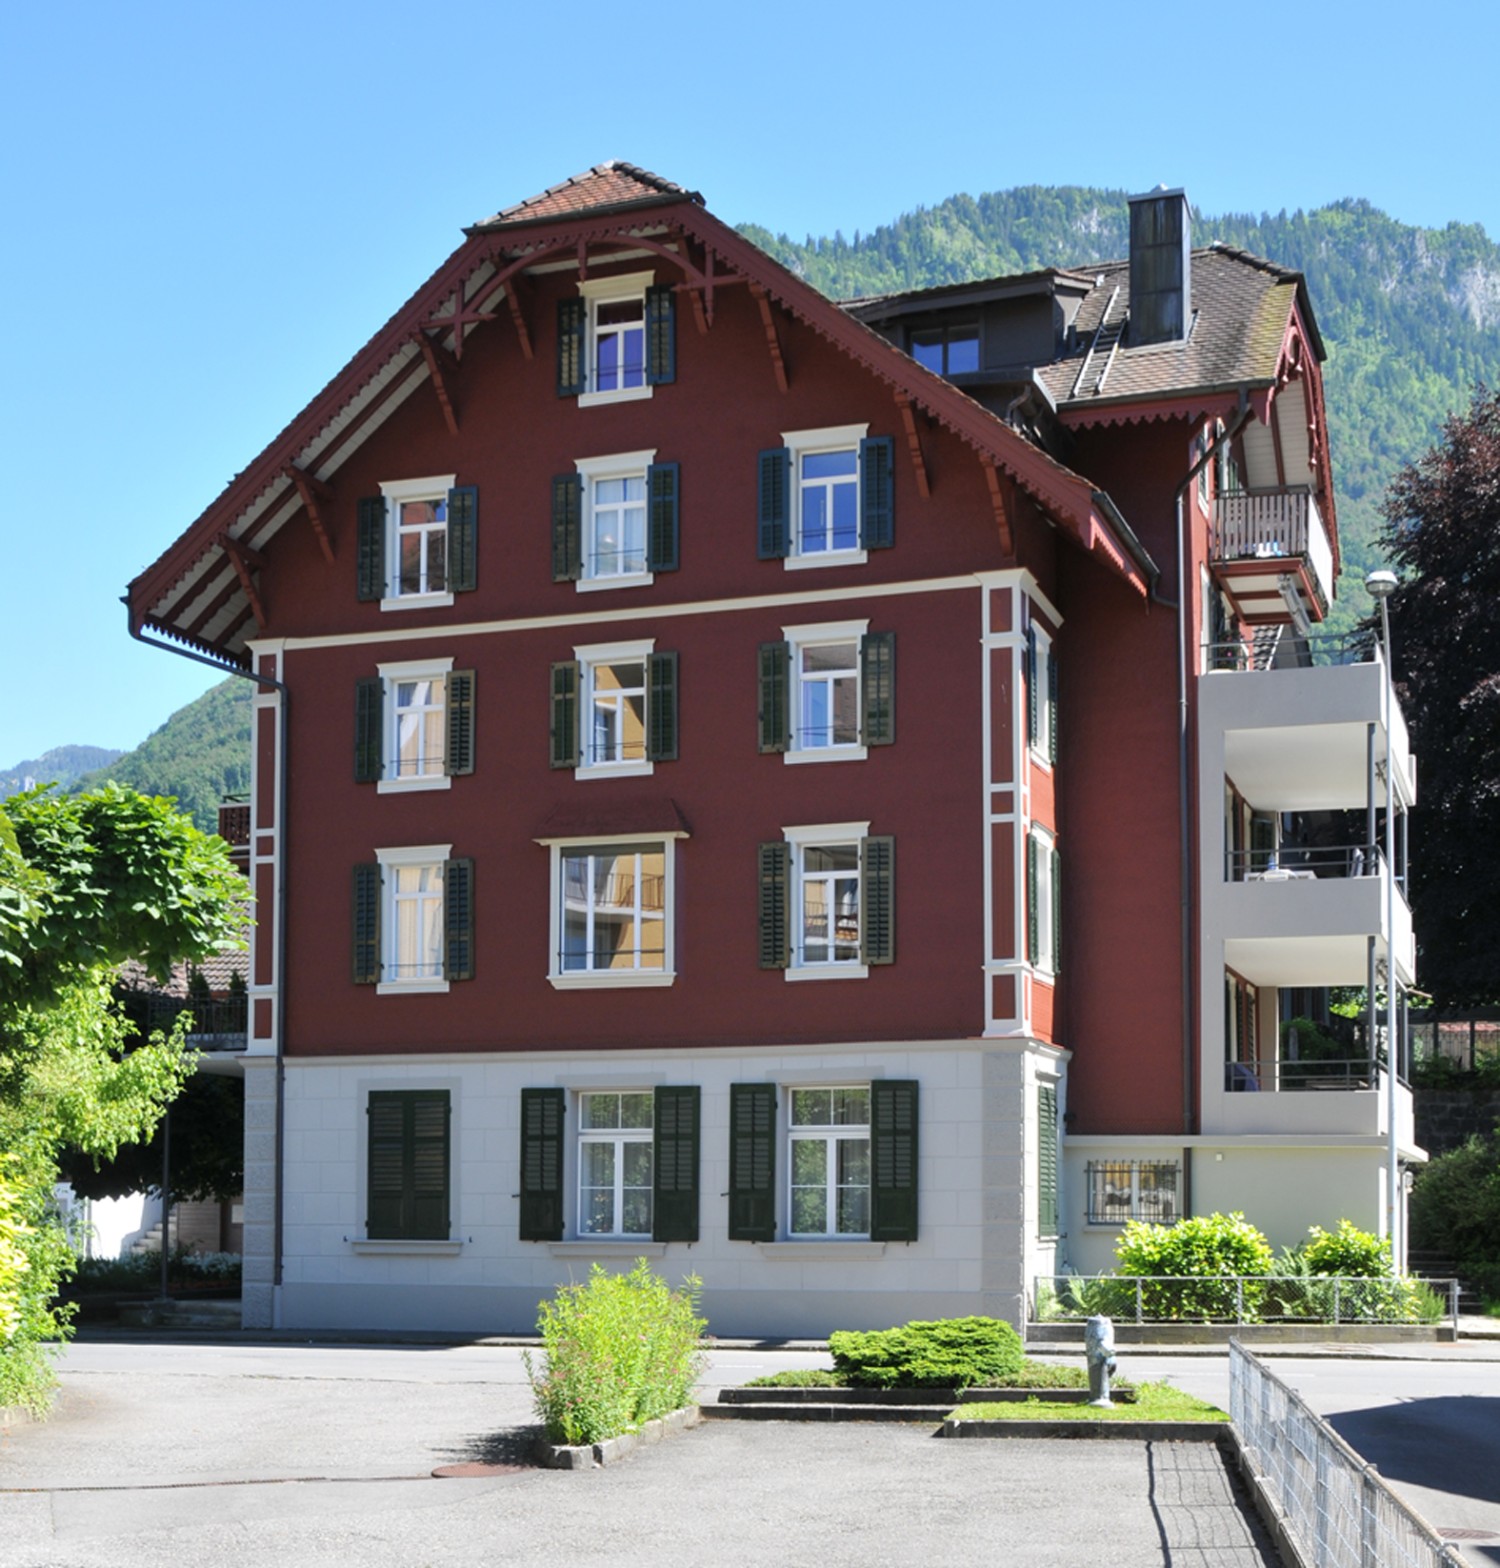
point(617, 340)
point(951, 350)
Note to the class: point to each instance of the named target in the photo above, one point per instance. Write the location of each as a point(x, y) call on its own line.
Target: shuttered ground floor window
point(407, 1189)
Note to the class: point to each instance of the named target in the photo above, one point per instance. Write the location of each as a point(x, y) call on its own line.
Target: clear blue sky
point(210, 207)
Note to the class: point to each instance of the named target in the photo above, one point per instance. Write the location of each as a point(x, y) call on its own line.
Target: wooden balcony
point(1270, 553)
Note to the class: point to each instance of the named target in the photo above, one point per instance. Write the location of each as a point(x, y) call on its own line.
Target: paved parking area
point(322, 1456)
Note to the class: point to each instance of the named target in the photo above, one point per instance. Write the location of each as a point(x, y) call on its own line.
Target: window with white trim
point(414, 725)
point(612, 919)
point(615, 354)
point(413, 919)
point(416, 533)
point(1123, 1190)
point(615, 1163)
point(614, 705)
point(1041, 695)
point(825, 493)
point(828, 1162)
point(825, 690)
point(614, 517)
point(1043, 900)
point(827, 902)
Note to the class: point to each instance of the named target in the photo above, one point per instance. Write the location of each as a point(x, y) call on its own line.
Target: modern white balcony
point(1326, 1108)
point(1270, 552)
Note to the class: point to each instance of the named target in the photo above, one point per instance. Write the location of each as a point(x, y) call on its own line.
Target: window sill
point(799, 563)
point(853, 1251)
point(412, 988)
point(615, 770)
point(624, 395)
point(621, 979)
point(607, 1247)
point(1040, 759)
point(417, 601)
point(826, 754)
point(828, 972)
point(408, 1246)
point(624, 580)
point(413, 786)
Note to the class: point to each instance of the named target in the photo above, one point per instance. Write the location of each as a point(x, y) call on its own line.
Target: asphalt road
point(247, 1456)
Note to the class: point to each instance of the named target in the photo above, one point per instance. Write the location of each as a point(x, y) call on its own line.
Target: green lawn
point(1154, 1402)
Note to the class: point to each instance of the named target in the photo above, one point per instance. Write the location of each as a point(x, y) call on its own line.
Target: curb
point(1123, 1431)
point(589, 1456)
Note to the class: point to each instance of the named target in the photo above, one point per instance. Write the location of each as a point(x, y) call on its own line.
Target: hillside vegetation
point(61, 765)
point(1410, 316)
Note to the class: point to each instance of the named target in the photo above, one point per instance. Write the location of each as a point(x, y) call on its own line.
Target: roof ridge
point(1251, 258)
point(652, 184)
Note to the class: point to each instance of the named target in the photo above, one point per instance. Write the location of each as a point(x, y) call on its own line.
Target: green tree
point(1443, 533)
point(85, 883)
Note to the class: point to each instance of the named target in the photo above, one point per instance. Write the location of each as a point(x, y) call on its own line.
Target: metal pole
point(166, 1197)
point(1393, 1166)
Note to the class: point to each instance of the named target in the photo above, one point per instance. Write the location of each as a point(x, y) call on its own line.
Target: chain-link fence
point(1334, 1507)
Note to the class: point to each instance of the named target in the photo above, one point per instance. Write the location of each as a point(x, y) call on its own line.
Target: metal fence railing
point(1336, 1509)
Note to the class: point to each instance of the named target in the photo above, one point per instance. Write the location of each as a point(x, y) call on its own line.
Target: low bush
point(1349, 1251)
point(141, 1271)
point(618, 1351)
point(1190, 1261)
point(1455, 1209)
point(799, 1377)
point(948, 1353)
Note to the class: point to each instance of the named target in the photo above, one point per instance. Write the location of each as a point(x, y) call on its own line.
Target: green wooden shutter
point(366, 906)
point(408, 1145)
point(369, 552)
point(1032, 712)
point(877, 493)
point(1046, 1160)
point(1033, 916)
point(567, 528)
point(773, 503)
point(369, 723)
point(877, 675)
point(572, 334)
point(893, 1159)
point(458, 919)
point(463, 538)
point(663, 483)
point(674, 1203)
point(661, 335)
point(752, 1162)
point(542, 1164)
point(1055, 870)
point(877, 900)
point(1052, 706)
point(774, 715)
point(775, 879)
point(458, 757)
point(565, 714)
point(661, 707)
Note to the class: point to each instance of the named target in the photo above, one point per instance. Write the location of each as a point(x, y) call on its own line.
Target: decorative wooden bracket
point(914, 445)
point(1003, 499)
point(243, 559)
point(439, 361)
point(583, 259)
point(313, 490)
point(773, 340)
point(466, 314)
point(518, 297)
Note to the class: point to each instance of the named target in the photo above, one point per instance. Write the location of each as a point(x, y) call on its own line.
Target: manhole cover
point(474, 1468)
point(1466, 1535)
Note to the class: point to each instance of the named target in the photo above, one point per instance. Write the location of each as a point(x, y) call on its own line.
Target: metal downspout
point(279, 1028)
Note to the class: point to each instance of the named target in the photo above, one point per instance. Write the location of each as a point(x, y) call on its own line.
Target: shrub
point(948, 1353)
point(141, 1271)
point(1202, 1252)
point(1354, 1253)
point(619, 1351)
point(1455, 1208)
point(799, 1377)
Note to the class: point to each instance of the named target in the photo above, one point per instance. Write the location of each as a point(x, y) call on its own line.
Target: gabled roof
point(202, 590)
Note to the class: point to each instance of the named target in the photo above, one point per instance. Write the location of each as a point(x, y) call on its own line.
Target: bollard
point(1099, 1350)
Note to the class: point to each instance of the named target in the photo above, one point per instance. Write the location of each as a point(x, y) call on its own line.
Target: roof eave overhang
point(1189, 403)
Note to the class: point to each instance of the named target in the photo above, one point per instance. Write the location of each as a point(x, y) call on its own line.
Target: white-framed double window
point(1043, 900)
point(614, 520)
point(612, 911)
point(415, 720)
point(412, 917)
point(827, 708)
point(825, 509)
point(616, 342)
point(828, 1161)
point(614, 685)
point(416, 539)
point(1041, 713)
point(826, 907)
point(615, 1163)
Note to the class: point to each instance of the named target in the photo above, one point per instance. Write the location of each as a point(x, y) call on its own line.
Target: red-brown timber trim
point(312, 490)
point(914, 445)
point(518, 297)
point(243, 558)
point(438, 359)
point(1003, 499)
point(773, 339)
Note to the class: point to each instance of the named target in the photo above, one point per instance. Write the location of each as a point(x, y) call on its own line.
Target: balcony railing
point(1309, 863)
point(1272, 526)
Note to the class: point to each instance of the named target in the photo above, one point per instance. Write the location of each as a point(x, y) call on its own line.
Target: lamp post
point(1380, 585)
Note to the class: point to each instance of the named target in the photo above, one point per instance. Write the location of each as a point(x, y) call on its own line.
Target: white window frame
point(594, 471)
point(824, 835)
point(1041, 747)
point(395, 491)
point(1045, 962)
point(405, 857)
point(619, 1138)
point(590, 656)
point(798, 639)
point(391, 675)
point(611, 290)
point(804, 443)
point(828, 1134)
point(612, 979)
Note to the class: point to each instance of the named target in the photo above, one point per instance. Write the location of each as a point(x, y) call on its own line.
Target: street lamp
point(1380, 585)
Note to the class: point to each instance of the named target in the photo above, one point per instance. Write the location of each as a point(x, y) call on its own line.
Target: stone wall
point(1446, 1117)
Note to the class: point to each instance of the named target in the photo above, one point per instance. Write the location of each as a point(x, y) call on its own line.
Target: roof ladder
point(1100, 358)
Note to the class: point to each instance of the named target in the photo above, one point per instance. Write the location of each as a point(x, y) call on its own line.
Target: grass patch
point(1154, 1402)
point(799, 1377)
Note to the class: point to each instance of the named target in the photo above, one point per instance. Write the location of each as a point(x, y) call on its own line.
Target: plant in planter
point(949, 1353)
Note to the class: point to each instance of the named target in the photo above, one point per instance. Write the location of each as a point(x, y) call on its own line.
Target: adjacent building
point(834, 799)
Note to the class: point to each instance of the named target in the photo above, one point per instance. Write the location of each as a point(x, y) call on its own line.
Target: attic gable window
point(617, 340)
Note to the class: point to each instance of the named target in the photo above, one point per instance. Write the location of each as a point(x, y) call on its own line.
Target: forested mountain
point(1411, 316)
point(61, 765)
point(200, 755)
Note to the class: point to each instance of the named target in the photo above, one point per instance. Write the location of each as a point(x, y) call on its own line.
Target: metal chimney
point(1161, 280)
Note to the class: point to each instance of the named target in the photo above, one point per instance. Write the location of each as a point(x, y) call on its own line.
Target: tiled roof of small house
point(217, 969)
point(606, 187)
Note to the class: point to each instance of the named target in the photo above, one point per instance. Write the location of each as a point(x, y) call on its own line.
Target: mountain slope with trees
point(62, 765)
